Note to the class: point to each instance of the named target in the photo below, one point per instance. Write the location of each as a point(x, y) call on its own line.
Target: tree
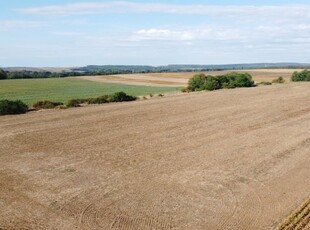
point(3, 74)
point(301, 76)
point(197, 81)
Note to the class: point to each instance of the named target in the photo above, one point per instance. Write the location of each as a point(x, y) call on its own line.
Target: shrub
point(12, 107)
point(301, 76)
point(185, 90)
point(117, 97)
point(63, 107)
point(212, 83)
point(99, 100)
point(264, 83)
point(279, 80)
point(73, 103)
point(223, 79)
point(121, 96)
point(240, 80)
point(160, 95)
point(46, 105)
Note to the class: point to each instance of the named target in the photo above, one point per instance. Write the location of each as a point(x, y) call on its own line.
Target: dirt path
point(230, 159)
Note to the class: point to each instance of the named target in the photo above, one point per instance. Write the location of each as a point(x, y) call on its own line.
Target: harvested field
point(181, 79)
point(228, 159)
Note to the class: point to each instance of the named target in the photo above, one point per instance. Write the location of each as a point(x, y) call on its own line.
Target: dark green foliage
point(301, 76)
point(231, 80)
point(264, 83)
point(240, 80)
point(117, 97)
point(3, 74)
point(223, 79)
point(212, 83)
point(46, 105)
point(12, 107)
point(99, 100)
point(196, 82)
point(121, 96)
point(279, 80)
point(73, 103)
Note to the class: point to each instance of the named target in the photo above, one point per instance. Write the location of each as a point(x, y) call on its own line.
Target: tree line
point(25, 74)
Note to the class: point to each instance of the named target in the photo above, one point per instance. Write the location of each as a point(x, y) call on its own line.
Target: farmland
point(60, 90)
point(181, 78)
point(228, 159)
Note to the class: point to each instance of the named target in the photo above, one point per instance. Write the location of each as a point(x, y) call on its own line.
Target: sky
point(62, 33)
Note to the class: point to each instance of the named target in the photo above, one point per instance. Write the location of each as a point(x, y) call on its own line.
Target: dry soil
point(229, 159)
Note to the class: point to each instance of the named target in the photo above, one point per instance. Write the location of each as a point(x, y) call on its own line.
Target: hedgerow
point(116, 97)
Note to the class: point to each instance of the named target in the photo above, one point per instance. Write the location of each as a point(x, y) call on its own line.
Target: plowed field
point(229, 159)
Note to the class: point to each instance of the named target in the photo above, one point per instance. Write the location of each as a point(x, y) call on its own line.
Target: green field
point(63, 89)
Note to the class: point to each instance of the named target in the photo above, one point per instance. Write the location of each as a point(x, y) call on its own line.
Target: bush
point(196, 82)
point(73, 103)
point(99, 100)
point(46, 105)
point(264, 83)
point(121, 96)
point(185, 90)
point(12, 107)
point(279, 80)
point(301, 76)
point(212, 83)
point(240, 80)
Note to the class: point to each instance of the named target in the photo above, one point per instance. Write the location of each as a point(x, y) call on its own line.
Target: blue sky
point(76, 33)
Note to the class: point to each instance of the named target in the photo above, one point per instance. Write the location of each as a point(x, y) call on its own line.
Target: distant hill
point(34, 69)
point(179, 68)
point(165, 68)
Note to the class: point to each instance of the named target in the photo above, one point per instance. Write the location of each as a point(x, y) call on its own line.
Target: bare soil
point(229, 159)
point(181, 78)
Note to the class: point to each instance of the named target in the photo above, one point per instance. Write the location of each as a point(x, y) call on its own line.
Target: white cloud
point(19, 24)
point(277, 13)
point(185, 35)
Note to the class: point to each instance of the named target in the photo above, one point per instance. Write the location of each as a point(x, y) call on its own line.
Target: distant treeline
point(93, 70)
point(46, 74)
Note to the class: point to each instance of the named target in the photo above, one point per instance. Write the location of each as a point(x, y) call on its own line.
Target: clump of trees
point(301, 76)
point(12, 107)
point(231, 80)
